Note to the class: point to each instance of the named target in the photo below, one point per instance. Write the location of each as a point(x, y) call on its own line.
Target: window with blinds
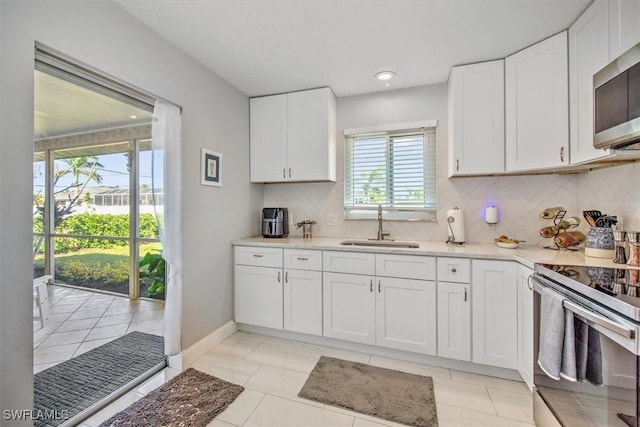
point(395, 169)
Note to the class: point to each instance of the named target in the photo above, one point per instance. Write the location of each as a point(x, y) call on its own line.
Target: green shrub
point(88, 224)
point(153, 267)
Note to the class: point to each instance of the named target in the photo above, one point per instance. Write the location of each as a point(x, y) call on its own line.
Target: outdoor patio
point(81, 320)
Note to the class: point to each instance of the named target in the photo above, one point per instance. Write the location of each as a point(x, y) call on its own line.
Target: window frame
point(353, 211)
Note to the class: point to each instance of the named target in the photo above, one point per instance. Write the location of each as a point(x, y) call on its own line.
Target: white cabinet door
point(495, 313)
point(349, 307)
point(268, 138)
point(258, 296)
point(525, 325)
point(406, 314)
point(454, 321)
point(303, 301)
point(624, 26)
point(476, 119)
point(311, 135)
point(536, 106)
point(588, 53)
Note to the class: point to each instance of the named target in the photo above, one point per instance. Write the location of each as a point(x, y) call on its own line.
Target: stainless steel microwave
point(617, 103)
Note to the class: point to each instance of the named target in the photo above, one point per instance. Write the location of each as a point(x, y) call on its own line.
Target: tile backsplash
point(615, 191)
point(519, 200)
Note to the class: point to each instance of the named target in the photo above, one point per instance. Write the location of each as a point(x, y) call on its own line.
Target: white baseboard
point(188, 356)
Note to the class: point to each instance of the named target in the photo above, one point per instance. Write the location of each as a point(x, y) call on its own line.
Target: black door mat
point(72, 387)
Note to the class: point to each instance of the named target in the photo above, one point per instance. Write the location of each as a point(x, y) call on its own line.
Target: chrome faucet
point(381, 234)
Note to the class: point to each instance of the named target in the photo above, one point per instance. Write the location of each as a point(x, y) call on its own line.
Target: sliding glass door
point(93, 196)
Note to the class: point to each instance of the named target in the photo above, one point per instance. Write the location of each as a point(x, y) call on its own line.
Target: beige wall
point(215, 116)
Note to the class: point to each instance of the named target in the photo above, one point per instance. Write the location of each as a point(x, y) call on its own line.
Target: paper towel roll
point(455, 225)
point(491, 215)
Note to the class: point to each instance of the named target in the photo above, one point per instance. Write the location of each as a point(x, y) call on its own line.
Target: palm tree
point(83, 170)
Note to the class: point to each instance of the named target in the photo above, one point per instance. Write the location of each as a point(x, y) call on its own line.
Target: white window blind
point(393, 168)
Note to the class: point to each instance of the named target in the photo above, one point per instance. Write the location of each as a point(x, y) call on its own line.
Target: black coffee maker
point(275, 222)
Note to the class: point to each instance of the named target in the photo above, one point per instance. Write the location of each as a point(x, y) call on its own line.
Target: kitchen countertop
point(526, 255)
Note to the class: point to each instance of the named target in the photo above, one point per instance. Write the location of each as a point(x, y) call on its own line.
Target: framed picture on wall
point(211, 171)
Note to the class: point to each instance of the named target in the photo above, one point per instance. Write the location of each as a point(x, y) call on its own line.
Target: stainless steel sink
point(380, 243)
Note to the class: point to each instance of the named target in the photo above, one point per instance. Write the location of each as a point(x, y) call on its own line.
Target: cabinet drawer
point(457, 270)
point(349, 262)
point(406, 266)
point(258, 256)
point(303, 259)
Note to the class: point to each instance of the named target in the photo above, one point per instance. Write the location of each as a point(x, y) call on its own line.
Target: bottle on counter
point(569, 222)
point(549, 231)
point(551, 213)
point(569, 238)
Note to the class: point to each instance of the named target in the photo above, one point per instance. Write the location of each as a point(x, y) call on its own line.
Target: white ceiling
point(273, 46)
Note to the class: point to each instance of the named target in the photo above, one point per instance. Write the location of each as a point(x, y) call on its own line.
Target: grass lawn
point(104, 269)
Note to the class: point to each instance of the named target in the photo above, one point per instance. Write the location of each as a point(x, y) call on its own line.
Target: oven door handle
point(599, 320)
point(595, 318)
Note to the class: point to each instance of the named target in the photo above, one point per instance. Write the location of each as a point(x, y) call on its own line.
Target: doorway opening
point(94, 212)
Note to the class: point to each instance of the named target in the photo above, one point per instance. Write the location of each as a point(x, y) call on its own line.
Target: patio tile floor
point(81, 320)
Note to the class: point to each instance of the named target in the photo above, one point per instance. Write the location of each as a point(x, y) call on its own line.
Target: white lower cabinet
point(258, 296)
point(279, 289)
point(478, 310)
point(349, 307)
point(394, 312)
point(495, 313)
point(405, 314)
point(454, 320)
point(525, 325)
point(303, 291)
point(303, 301)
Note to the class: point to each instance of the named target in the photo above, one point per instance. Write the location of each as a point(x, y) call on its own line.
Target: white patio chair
point(41, 297)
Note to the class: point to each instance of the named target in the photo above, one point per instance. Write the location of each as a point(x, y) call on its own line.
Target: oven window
point(611, 100)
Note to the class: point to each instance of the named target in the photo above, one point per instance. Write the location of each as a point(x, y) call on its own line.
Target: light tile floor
point(273, 370)
point(82, 320)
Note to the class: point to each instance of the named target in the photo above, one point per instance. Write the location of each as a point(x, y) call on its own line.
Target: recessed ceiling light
point(385, 75)
point(133, 117)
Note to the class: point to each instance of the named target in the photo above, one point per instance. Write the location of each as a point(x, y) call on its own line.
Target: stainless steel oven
point(608, 302)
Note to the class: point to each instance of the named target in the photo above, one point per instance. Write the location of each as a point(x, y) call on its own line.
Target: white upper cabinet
point(536, 106)
point(476, 119)
point(268, 130)
point(588, 53)
point(624, 26)
point(293, 137)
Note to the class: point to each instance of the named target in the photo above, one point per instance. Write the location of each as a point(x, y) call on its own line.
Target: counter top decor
point(307, 228)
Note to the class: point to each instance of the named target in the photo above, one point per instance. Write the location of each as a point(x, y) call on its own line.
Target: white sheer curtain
point(167, 176)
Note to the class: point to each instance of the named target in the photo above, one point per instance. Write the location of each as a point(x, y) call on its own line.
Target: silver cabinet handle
point(378, 286)
point(284, 173)
point(454, 270)
point(289, 172)
point(465, 294)
point(371, 285)
point(303, 258)
point(457, 165)
point(278, 277)
point(258, 255)
point(286, 277)
point(529, 282)
point(562, 154)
